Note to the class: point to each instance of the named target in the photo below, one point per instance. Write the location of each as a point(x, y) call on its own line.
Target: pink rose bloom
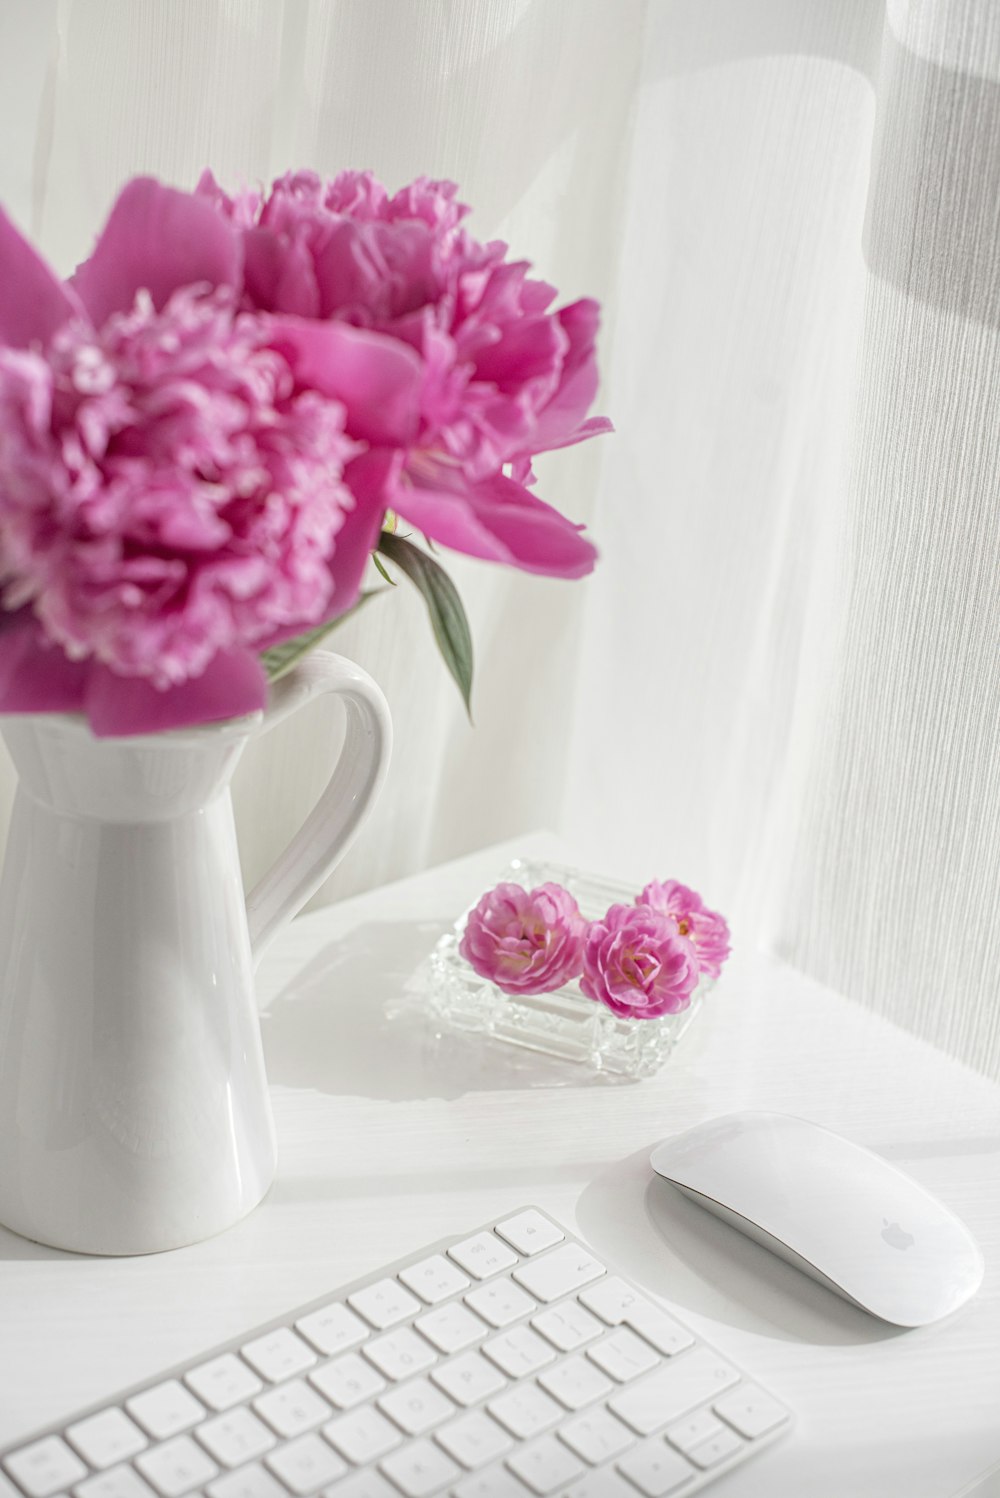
point(486, 375)
point(637, 963)
point(706, 929)
point(525, 941)
point(171, 492)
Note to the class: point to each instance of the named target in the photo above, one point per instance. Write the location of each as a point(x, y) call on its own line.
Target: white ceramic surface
point(134, 1108)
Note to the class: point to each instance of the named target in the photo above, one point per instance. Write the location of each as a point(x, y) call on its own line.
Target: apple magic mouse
point(838, 1212)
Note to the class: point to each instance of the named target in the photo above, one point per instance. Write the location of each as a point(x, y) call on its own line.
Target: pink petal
point(375, 376)
point(33, 301)
point(157, 238)
point(36, 677)
point(497, 520)
point(578, 385)
point(355, 542)
point(119, 706)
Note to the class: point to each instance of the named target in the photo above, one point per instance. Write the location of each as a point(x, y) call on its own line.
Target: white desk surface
point(392, 1137)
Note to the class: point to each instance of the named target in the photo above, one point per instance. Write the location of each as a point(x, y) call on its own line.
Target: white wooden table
point(392, 1136)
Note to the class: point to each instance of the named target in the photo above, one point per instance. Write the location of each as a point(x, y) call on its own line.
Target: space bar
point(687, 1380)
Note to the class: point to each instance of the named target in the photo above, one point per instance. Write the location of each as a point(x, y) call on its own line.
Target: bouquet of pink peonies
point(641, 960)
point(204, 430)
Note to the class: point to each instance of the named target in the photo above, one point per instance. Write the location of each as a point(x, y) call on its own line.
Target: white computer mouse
point(838, 1212)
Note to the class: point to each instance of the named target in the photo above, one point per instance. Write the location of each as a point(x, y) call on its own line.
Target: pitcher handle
point(343, 807)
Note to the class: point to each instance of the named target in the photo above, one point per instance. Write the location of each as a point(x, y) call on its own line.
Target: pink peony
point(487, 376)
point(637, 963)
point(171, 499)
point(525, 941)
point(706, 929)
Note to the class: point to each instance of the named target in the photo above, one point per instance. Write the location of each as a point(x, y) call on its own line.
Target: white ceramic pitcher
point(134, 1110)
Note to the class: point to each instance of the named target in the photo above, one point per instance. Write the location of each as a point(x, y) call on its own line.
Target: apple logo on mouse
point(895, 1236)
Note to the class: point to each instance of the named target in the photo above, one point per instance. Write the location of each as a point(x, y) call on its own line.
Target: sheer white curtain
point(781, 683)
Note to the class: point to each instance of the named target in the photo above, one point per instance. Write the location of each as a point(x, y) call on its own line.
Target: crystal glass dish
point(564, 1023)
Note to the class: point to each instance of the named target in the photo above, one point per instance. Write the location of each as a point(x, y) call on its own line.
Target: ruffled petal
point(374, 376)
point(157, 238)
point(34, 303)
point(559, 421)
point(233, 685)
point(355, 542)
point(497, 520)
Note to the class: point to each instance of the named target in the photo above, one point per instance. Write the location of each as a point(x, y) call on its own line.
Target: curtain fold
point(780, 685)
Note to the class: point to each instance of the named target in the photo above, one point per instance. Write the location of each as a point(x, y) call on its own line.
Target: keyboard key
point(44, 1467)
point(693, 1429)
point(529, 1232)
point(606, 1484)
point(616, 1302)
point(716, 1449)
point(333, 1329)
point(623, 1355)
point(495, 1482)
point(482, 1255)
point(223, 1382)
point(176, 1467)
point(501, 1302)
point(525, 1410)
point(106, 1439)
point(306, 1464)
point(567, 1326)
point(680, 1385)
point(279, 1355)
point(168, 1410)
point(596, 1436)
point(656, 1470)
point(417, 1407)
point(559, 1272)
point(545, 1465)
point(575, 1382)
point(613, 1299)
point(401, 1353)
point(665, 1334)
point(235, 1438)
point(473, 1439)
point(750, 1411)
point(451, 1328)
point(293, 1409)
point(347, 1381)
point(250, 1481)
point(362, 1485)
point(116, 1482)
point(519, 1351)
point(384, 1304)
point(362, 1435)
point(468, 1379)
point(420, 1468)
point(434, 1279)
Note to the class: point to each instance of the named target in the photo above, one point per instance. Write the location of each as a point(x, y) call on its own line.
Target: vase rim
point(193, 733)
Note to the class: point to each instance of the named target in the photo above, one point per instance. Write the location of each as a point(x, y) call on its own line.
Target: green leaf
point(448, 619)
point(380, 568)
point(280, 659)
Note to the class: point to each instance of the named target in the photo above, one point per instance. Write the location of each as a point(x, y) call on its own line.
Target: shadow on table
point(347, 1026)
point(678, 1250)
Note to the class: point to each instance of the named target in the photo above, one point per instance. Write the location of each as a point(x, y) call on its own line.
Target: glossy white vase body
point(134, 1110)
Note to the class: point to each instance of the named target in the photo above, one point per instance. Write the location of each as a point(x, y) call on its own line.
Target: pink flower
point(525, 941)
point(171, 499)
point(488, 376)
point(706, 929)
point(637, 963)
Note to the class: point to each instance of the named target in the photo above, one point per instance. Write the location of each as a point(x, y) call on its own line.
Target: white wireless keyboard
point(509, 1363)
